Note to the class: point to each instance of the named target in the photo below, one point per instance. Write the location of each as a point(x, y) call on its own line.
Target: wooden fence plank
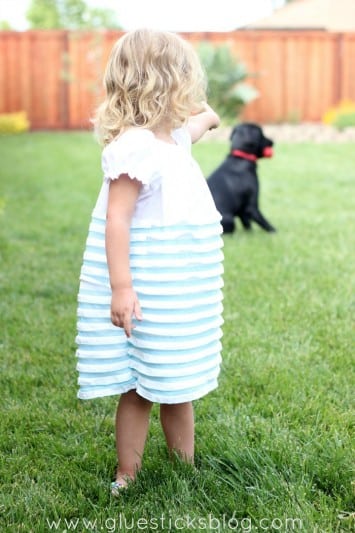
point(347, 60)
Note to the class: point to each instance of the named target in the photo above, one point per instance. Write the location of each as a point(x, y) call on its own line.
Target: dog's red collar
point(244, 155)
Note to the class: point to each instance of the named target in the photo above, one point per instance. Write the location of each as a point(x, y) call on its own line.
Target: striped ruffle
point(173, 354)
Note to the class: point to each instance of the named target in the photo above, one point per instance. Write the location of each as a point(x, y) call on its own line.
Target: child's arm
point(205, 120)
point(123, 194)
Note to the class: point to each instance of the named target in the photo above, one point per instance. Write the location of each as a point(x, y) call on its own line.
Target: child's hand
point(125, 305)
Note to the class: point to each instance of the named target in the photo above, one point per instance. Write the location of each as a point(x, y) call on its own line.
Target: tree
point(43, 14)
point(102, 18)
point(71, 14)
point(5, 25)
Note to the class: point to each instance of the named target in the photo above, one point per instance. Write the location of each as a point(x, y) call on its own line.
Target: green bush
point(341, 116)
point(345, 120)
point(14, 122)
point(227, 92)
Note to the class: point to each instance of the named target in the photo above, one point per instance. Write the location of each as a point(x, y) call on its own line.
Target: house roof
point(328, 15)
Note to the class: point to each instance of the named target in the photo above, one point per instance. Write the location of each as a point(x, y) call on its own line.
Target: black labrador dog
point(234, 184)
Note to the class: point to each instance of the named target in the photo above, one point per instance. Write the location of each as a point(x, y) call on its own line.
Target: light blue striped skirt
point(173, 354)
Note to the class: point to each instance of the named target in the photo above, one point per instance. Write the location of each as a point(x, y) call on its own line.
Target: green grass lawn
point(274, 449)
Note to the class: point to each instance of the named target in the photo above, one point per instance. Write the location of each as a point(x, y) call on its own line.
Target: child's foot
point(117, 487)
point(120, 484)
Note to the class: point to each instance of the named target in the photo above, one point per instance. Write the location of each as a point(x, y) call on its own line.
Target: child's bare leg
point(178, 425)
point(132, 422)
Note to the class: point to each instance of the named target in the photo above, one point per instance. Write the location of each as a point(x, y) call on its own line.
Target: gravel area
point(318, 133)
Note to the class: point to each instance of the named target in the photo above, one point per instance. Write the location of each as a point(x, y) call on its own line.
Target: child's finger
point(127, 325)
point(137, 310)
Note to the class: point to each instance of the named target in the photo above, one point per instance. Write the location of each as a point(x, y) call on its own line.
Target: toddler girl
point(149, 314)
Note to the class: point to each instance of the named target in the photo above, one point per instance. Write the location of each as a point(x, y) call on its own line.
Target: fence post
point(338, 67)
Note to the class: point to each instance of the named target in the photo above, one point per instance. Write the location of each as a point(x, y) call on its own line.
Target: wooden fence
point(56, 75)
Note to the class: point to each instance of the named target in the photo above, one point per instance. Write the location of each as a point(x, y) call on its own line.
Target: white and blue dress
point(173, 354)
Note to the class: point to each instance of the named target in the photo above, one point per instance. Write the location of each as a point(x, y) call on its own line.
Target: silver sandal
point(117, 487)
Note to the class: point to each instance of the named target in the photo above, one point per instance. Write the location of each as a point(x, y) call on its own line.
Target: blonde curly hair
point(151, 78)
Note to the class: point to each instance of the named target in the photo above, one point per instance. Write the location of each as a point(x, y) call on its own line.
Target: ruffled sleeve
point(134, 153)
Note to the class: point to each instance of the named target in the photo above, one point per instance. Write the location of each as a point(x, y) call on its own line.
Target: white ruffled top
point(174, 189)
